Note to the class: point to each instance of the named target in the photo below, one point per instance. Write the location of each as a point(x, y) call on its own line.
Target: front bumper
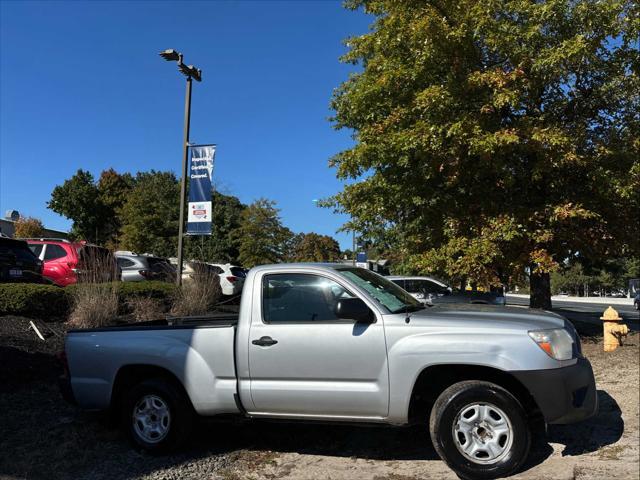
point(564, 395)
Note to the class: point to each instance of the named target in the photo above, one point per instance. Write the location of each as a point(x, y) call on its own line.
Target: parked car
point(137, 268)
point(339, 343)
point(66, 262)
point(231, 278)
point(18, 263)
point(636, 301)
point(431, 291)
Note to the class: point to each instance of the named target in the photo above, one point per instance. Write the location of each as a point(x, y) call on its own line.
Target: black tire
point(158, 392)
point(461, 397)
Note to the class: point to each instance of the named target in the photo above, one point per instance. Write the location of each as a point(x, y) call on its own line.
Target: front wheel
point(157, 415)
point(480, 430)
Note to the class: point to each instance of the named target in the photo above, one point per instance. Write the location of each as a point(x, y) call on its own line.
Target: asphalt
point(586, 316)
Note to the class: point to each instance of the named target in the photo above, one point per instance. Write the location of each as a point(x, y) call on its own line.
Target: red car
point(66, 261)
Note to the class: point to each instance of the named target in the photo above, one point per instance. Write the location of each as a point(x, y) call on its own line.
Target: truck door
point(305, 361)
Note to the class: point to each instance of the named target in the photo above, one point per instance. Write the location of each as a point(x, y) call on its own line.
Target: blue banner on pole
point(200, 179)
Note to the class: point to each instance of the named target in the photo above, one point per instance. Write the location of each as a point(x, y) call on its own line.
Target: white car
point(231, 278)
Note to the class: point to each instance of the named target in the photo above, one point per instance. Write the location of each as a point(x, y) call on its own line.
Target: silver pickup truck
point(339, 343)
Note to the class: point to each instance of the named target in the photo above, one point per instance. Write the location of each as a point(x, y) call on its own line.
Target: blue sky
point(82, 86)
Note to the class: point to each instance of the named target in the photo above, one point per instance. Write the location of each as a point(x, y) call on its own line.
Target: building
point(7, 226)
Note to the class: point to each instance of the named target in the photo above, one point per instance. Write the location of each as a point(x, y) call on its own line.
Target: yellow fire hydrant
point(613, 330)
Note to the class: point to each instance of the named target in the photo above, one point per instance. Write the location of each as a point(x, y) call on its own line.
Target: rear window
point(20, 252)
point(238, 272)
point(53, 252)
point(125, 263)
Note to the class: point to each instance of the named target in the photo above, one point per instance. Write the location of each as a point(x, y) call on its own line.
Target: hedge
point(54, 303)
point(33, 300)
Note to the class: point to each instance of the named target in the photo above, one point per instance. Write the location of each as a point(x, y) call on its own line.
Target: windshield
point(387, 293)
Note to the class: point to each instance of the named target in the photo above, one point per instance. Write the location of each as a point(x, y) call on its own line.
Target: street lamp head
point(190, 71)
point(171, 55)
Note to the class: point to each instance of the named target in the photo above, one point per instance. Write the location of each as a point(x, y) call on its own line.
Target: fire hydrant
point(613, 330)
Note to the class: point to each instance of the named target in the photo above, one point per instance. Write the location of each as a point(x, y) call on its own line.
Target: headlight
point(557, 343)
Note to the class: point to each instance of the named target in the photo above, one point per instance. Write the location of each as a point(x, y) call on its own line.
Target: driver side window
point(300, 298)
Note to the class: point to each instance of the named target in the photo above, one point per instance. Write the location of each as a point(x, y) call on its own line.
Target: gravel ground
point(43, 437)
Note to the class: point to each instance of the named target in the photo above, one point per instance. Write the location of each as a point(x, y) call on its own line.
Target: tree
point(150, 214)
point(494, 137)
point(311, 247)
point(261, 238)
point(79, 200)
point(220, 247)
point(93, 206)
point(28, 227)
point(113, 190)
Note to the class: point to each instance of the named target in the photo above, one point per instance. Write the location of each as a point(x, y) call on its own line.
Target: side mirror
point(354, 309)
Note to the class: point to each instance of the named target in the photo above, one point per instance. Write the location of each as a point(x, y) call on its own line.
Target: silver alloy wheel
point(151, 418)
point(482, 433)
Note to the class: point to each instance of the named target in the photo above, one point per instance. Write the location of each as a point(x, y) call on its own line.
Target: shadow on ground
point(603, 429)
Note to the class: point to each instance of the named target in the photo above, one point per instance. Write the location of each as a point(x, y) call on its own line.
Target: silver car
point(430, 291)
point(137, 268)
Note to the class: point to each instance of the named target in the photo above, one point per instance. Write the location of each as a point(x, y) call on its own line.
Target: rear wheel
point(480, 430)
point(157, 415)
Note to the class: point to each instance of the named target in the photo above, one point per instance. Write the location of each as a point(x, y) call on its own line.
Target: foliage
point(28, 227)
point(220, 246)
point(494, 136)
point(78, 198)
point(199, 295)
point(610, 276)
point(150, 214)
point(113, 189)
point(32, 300)
point(93, 206)
point(261, 238)
point(312, 247)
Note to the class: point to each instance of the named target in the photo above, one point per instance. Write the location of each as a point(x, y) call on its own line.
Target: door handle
point(265, 341)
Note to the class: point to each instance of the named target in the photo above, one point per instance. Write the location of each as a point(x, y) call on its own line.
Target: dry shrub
point(145, 308)
point(95, 301)
point(199, 294)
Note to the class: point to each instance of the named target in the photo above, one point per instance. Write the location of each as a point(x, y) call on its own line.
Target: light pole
point(190, 72)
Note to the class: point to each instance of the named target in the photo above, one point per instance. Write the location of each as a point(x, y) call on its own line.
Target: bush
point(33, 300)
point(145, 308)
point(52, 303)
point(199, 295)
point(94, 305)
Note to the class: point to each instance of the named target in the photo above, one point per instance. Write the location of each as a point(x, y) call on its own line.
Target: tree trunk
point(540, 287)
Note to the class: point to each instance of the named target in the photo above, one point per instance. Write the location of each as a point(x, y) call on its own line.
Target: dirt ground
point(41, 437)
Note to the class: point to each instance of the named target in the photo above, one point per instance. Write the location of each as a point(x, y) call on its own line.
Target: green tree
point(312, 247)
point(494, 137)
point(261, 238)
point(113, 190)
point(150, 215)
point(28, 227)
point(79, 200)
point(220, 247)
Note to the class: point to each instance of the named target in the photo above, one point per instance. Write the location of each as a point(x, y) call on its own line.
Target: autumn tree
point(312, 247)
point(494, 138)
point(28, 227)
point(261, 237)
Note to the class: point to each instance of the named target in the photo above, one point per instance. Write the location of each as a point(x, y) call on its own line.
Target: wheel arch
point(434, 379)
point(130, 375)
